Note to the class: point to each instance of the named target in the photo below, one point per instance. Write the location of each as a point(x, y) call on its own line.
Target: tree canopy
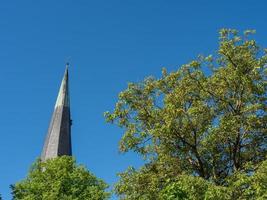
point(60, 178)
point(240, 186)
point(201, 124)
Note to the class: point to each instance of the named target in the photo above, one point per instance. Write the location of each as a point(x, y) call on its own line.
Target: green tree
point(60, 178)
point(241, 185)
point(194, 188)
point(207, 119)
point(250, 183)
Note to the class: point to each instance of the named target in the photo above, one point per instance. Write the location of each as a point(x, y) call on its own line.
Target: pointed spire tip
point(67, 65)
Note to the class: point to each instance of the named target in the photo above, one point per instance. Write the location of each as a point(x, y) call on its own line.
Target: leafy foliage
point(60, 178)
point(241, 185)
point(248, 185)
point(143, 184)
point(207, 119)
point(194, 188)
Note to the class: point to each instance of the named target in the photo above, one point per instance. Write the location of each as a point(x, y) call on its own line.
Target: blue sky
point(108, 43)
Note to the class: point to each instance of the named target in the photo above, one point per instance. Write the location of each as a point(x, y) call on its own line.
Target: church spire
point(58, 139)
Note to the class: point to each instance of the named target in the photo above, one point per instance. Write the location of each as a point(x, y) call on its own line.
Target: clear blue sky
point(109, 44)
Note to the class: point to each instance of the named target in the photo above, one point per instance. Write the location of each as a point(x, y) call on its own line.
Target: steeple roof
point(63, 95)
point(58, 139)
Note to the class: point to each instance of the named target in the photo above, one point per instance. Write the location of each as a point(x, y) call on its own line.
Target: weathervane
point(68, 61)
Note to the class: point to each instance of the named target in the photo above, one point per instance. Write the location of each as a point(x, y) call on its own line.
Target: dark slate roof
point(58, 139)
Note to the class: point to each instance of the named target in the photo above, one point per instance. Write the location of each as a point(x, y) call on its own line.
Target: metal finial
point(68, 61)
